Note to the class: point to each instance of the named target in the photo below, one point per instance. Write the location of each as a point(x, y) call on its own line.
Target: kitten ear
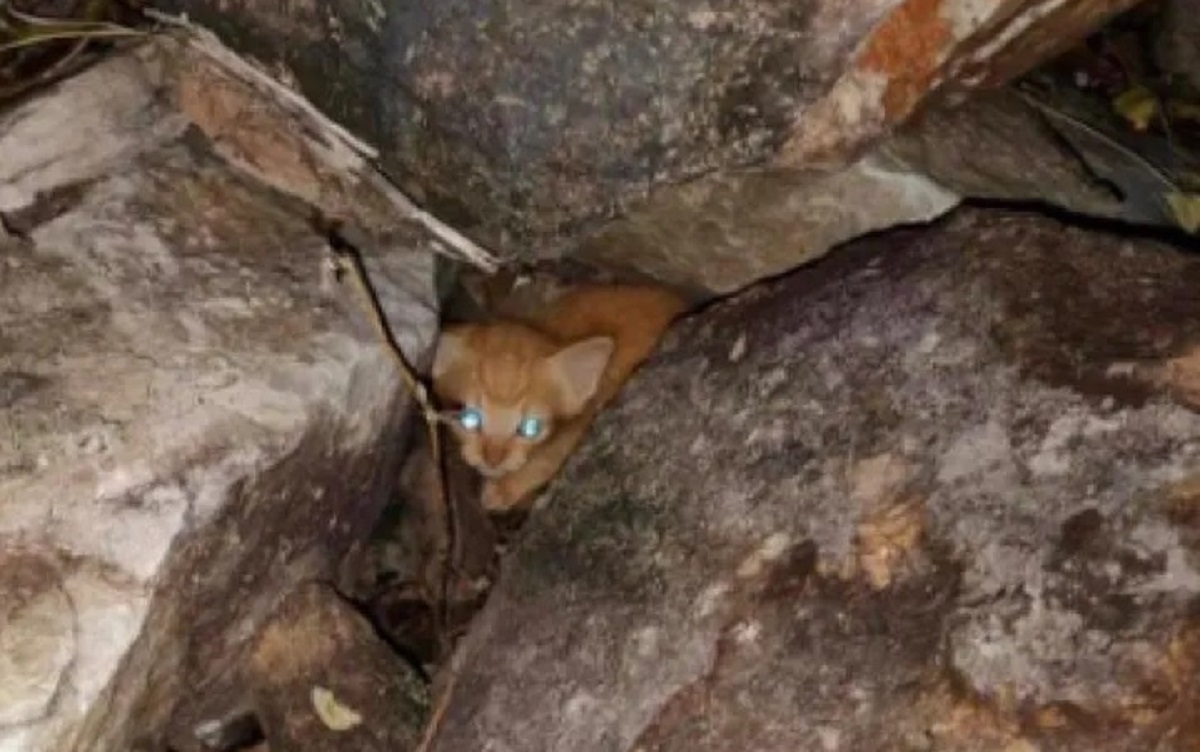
point(576, 370)
point(451, 348)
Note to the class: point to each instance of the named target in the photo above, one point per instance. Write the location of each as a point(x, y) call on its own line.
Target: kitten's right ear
point(451, 348)
point(577, 370)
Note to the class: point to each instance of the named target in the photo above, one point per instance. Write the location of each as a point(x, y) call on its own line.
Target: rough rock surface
point(940, 491)
point(193, 415)
point(531, 124)
point(323, 679)
point(564, 113)
point(996, 146)
point(720, 233)
point(1177, 47)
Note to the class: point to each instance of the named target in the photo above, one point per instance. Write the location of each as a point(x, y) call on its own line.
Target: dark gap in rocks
point(392, 579)
point(46, 207)
point(241, 731)
point(26, 69)
point(1125, 103)
point(396, 577)
point(1134, 231)
point(403, 636)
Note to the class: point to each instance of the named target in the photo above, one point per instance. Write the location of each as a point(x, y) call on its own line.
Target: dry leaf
point(335, 715)
point(1186, 208)
point(1141, 182)
point(1137, 105)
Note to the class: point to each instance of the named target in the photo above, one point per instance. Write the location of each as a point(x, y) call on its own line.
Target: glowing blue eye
point(470, 418)
point(529, 428)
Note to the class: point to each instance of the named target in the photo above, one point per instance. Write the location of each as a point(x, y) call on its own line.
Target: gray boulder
point(194, 416)
point(937, 492)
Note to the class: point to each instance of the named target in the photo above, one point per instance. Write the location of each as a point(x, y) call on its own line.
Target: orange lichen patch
point(1182, 376)
point(1182, 500)
point(958, 722)
point(247, 131)
point(1050, 717)
point(1160, 705)
point(924, 45)
point(892, 528)
point(1182, 671)
point(315, 635)
point(1181, 663)
point(1166, 696)
point(887, 538)
point(908, 48)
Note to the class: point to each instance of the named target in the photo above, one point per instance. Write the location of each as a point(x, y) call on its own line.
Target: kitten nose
point(493, 453)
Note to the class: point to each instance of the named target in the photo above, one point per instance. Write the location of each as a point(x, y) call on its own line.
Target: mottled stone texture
point(997, 146)
point(1177, 48)
point(317, 654)
point(555, 113)
point(937, 492)
point(531, 124)
point(193, 416)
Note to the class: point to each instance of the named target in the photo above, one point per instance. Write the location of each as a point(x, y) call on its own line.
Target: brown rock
point(935, 492)
point(322, 679)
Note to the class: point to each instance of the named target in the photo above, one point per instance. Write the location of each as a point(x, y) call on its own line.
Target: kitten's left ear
point(576, 370)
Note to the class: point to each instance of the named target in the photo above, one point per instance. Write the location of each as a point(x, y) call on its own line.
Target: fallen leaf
point(1141, 182)
point(1138, 105)
point(1186, 208)
point(335, 715)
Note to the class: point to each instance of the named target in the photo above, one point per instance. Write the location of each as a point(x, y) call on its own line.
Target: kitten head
point(509, 385)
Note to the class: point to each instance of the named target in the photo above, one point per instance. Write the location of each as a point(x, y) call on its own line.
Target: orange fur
point(560, 367)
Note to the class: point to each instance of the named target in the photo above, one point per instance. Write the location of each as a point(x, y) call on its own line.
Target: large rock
point(195, 416)
point(324, 679)
point(998, 146)
point(720, 233)
point(938, 492)
point(532, 124)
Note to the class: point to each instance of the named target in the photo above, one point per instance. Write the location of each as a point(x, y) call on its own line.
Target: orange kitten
point(526, 391)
